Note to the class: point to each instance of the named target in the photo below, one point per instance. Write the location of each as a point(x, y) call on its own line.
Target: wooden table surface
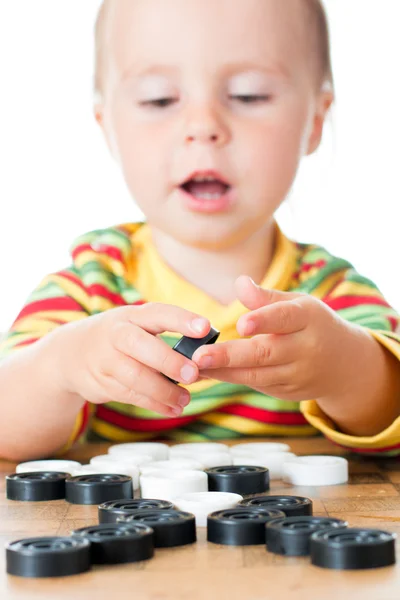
point(208, 571)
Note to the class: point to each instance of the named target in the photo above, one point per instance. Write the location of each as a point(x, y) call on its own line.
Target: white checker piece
point(61, 466)
point(201, 504)
point(316, 470)
point(167, 485)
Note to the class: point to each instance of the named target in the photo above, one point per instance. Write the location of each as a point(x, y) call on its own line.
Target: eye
point(250, 98)
point(159, 102)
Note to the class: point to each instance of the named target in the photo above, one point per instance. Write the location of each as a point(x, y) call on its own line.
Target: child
point(208, 107)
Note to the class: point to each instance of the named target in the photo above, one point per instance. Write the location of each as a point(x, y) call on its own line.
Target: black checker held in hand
point(113, 543)
point(187, 346)
point(353, 548)
point(171, 527)
point(292, 506)
point(96, 489)
point(242, 479)
point(291, 536)
point(240, 526)
point(48, 557)
point(110, 512)
point(36, 487)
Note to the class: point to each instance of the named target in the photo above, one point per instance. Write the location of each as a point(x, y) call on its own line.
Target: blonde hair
point(316, 19)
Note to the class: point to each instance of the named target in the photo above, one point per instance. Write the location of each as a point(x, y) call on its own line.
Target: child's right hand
point(116, 356)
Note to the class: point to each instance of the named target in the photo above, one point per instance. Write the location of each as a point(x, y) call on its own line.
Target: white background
point(57, 180)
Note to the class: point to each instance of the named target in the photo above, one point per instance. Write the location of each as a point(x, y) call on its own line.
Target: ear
point(99, 115)
point(322, 108)
point(98, 110)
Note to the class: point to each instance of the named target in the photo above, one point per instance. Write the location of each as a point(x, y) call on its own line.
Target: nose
point(203, 125)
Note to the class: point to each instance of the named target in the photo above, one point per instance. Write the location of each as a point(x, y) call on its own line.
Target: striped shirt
point(120, 266)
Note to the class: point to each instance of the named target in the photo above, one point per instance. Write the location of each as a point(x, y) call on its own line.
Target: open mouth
point(206, 187)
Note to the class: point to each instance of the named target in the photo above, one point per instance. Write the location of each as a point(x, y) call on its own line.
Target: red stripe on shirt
point(350, 301)
point(26, 342)
point(134, 424)
point(110, 251)
point(64, 303)
point(96, 289)
point(264, 416)
point(73, 278)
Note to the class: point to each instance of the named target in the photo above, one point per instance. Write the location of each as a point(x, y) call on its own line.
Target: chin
point(213, 235)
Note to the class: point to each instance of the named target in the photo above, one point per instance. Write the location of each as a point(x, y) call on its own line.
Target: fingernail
point(177, 411)
point(184, 400)
point(250, 328)
point(188, 373)
point(198, 325)
point(206, 362)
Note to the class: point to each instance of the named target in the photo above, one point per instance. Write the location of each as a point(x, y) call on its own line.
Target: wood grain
point(206, 571)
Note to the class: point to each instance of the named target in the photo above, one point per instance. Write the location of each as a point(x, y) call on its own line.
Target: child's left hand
point(299, 348)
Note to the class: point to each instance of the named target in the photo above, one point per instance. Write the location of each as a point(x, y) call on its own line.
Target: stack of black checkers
point(128, 532)
point(171, 527)
point(98, 545)
point(287, 526)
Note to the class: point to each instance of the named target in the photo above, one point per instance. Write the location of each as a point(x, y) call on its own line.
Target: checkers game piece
point(171, 527)
point(175, 464)
point(238, 479)
point(45, 466)
point(202, 504)
point(240, 526)
point(36, 486)
point(96, 489)
point(316, 470)
point(198, 448)
point(48, 557)
point(291, 536)
point(291, 506)
point(166, 485)
point(187, 346)
point(273, 461)
point(113, 543)
point(353, 548)
point(259, 447)
point(156, 450)
point(110, 512)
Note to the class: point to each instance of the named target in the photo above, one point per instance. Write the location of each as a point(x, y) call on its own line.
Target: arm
point(37, 416)
point(370, 401)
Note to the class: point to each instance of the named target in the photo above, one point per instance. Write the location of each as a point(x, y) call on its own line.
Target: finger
point(252, 296)
point(259, 377)
point(158, 318)
point(259, 351)
point(129, 396)
point(136, 343)
point(139, 381)
point(279, 318)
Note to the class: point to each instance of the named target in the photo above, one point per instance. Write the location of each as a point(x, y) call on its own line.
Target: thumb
point(252, 296)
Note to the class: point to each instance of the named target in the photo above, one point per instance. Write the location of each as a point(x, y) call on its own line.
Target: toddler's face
point(214, 87)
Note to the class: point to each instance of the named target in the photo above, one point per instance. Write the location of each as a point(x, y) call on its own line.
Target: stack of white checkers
point(197, 477)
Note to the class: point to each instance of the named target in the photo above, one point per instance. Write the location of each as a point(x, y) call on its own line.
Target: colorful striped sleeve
point(358, 300)
point(59, 299)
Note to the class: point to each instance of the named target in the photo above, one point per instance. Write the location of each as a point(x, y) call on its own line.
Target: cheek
point(275, 147)
point(139, 150)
